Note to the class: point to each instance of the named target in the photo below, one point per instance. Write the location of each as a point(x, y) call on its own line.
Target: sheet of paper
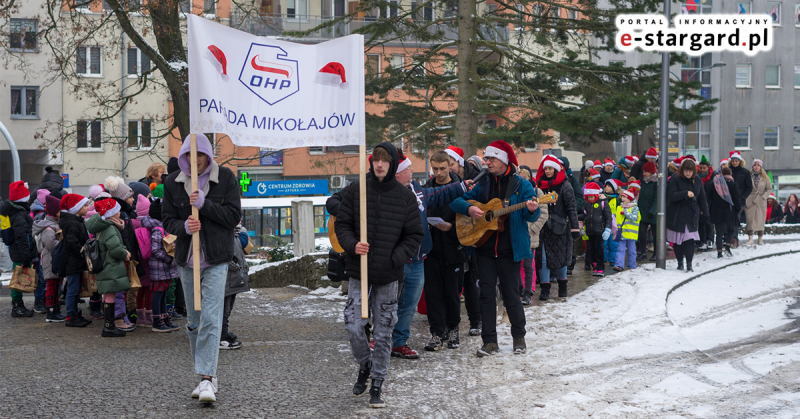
point(435, 221)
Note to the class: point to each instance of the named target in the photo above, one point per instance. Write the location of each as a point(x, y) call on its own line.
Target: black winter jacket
point(682, 211)
point(394, 228)
point(604, 176)
point(445, 243)
point(791, 218)
point(648, 202)
point(596, 218)
point(238, 269)
point(576, 186)
point(720, 211)
point(637, 168)
point(777, 213)
point(559, 248)
point(219, 216)
point(744, 182)
point(75, 235)
point(470, 171)
point(22, 249)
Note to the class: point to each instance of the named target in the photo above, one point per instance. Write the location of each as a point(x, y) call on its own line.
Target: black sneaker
point(719, 255)
point(19, 310)
point(434, 344)
point(519, 346)
point(453, 342)
point(375, 399)
point(361, 382)
point(39, 307)
point(229, 344)
point(476, 329)
point(77, 321)
point(526, 299)
point(569, 271)
point(54, 315)
point(728, 251)
point(488, 349)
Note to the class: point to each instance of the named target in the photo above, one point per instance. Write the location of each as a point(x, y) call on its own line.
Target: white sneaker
point(196, 392)
point(207, 390)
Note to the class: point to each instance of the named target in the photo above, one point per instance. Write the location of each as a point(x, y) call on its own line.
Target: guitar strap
point(512, 186)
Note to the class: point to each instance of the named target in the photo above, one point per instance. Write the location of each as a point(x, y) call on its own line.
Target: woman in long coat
point(755, 209)
point(686, 199)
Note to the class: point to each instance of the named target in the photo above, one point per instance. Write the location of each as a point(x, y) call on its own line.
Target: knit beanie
point(139, 188)
point(650, 167)
point(52, 205)
point(172, 165)
point(117, 188)
point(41, 194)
point(142, 205)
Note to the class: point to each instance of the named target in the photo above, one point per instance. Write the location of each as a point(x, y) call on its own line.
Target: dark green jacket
point(648, 202)
point(114, 276)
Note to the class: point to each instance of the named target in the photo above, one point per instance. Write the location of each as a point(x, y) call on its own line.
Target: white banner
point(275, 94)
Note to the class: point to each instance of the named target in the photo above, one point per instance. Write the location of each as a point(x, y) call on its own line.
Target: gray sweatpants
point(383, 305)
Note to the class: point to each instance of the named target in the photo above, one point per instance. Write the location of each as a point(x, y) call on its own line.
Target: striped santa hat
point(405, 162)
point(735, 155)
point(651, 153)
point(634, 186)
point(608, 162)
point(502, 151)
point(591, 188)
point(551, 161)
point(598, 165)
point(456, 153)
point(628, 194)
point(723, 161)
point(615, 184)
point(594, 174)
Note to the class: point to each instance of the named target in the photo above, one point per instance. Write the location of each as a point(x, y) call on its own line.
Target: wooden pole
point(195, 236)
point(362, 211)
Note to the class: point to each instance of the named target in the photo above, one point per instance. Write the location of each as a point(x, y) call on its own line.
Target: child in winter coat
point(611, 191)
point(19, 239)
point(106, 226)
point(628, 219)
point(73, 229)
point(597, 223)
point(45, 232)
point(163, 271)
point(175, 292)
point(144, 298)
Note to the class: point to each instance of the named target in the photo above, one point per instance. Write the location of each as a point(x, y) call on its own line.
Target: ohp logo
point(268, 74)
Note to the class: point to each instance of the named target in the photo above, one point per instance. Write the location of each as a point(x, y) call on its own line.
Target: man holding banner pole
point(394, 234)
point(218, 207)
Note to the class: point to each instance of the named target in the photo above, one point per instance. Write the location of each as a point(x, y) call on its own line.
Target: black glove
point(576, 235)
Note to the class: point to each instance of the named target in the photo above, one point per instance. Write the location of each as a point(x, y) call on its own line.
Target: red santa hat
point(17, 192)
point(690, 157)
point(735, 155)
point(404, 164)
point(332, 74)
point(72, 203)
point(107, 208)
point(615, 184)
point(678, 161)
point(723, 161)
point(629, 161)
point(597, 164)
point(634, 186)
point(456, 153)
point(594, 174)
point(629, 194)
point(608, 162)
point(650, 167)
point(636, 158)
point(551, 161)
point(502, 151)
point(651, 153)
point(591, 188)
point(772, 195)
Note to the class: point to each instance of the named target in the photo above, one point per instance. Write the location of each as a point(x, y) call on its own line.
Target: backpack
point(38, 239)
point(94, 259)
point(143, 237)
point(58, 262)
point(6, 233)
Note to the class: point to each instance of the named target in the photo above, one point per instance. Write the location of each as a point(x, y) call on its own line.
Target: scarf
point(651, 179)
point(708, 175)
point(756, 176)
point(722, 189)
point(547, 183)
point(792, 205)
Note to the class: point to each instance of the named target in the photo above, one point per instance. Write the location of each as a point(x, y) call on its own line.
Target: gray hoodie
point(44, 232)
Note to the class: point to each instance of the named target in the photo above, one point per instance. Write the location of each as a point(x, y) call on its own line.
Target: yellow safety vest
point(630, 229)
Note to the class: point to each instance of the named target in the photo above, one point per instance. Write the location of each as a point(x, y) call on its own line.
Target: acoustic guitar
point(476, 232)
point(332, 235)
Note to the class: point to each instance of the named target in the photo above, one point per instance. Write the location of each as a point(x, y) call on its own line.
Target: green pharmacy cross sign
point(245, 181)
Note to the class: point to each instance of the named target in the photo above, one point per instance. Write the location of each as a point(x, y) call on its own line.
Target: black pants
point(594, 252)
point(725, 233)
point(685, 249)
point(442, 294)
point(706, 230)
point(226, 312)
point(180, 301)
point(472, 293)
point(507, 271)
point(644, 236)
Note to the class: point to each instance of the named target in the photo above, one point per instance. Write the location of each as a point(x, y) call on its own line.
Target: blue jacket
point(432, 198)
point(523, 191)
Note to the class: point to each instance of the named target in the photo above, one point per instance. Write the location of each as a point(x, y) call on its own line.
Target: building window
point(450, 66)
point(106, 6)
point(22, 35)
point(774, 9)
point(210, 7)
point(520, 16)
point(572, 14)
point(451, 9)
point(138, 63)
point(555, 12)
point(773, 76)
point(743, 75)
point(689, 70)
point(25, 102)
point(90, 134)
point(771, 137)
point(796, 142)
point(139, 135)
point(185, 6)
point(397, 63)
point(744, 7)
point(797, 14)
point(741, 137)
point(797, 76)
point(88, 61)
point(316, 151)
point(696, 7)
point(373, 65)
point(698, 134)
point(297, 9)
point(422, 12)
point(391, 9)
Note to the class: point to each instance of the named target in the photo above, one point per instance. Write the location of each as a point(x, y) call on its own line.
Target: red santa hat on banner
point(608, 162)
point(591, 188)
point(723, 161)
point(404, 164)
point(594, 174)
point(629, 194)
point(456, 153)
point(615, 184)
point(72, 203)
point(651, 153)
point(598, 165)
point(332, 74)
point(502, 151)
point(735, 155)
point(551, 161)
point(218, 60)
point(107, 208)
point(17, 192)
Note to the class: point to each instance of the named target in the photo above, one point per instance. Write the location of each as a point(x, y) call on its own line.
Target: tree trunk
point(466, 127)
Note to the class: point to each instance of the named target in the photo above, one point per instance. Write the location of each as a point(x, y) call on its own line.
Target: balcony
point(278, 25)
